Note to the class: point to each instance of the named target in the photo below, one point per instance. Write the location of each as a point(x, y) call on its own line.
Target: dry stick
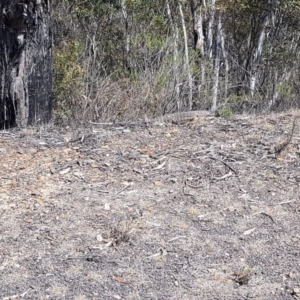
point(265, 214)
point(127, 186)
point(284, 202)
point(227, 165)
point(96, 123)
point(283, 146)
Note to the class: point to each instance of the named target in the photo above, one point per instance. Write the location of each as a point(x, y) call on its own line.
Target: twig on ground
point(280, 148)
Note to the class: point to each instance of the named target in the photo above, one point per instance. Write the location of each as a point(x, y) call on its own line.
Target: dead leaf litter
point(152, 212)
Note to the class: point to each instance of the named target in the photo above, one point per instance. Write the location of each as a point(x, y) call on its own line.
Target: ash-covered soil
point(208, 210)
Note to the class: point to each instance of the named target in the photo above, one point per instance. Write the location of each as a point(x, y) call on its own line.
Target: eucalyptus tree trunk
point(25, 63)
point(187, 59)
point(265, 20)
point(127, 35)
point(210, 27)
point(197, 16)
point(203, 14)
point(199, 41)
point(175, 54)
point(217, 65)
point(225, 57)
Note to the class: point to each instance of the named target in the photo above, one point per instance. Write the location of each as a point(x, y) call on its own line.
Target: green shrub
point(68, 76)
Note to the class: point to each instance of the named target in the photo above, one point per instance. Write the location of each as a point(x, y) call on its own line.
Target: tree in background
point(135, 56)
point(25, 63)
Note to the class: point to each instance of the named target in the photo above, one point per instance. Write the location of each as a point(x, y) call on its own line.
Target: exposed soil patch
point(208, 210)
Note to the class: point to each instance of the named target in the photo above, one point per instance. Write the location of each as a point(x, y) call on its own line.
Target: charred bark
point(25, 63)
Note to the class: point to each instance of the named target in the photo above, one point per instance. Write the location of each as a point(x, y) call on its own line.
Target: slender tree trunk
point(127, 35)
point(187, 59)
point(258, 52)
point(203, 14)
point(210, 27)
point(275, 93)
point(199, 41)
point(175, 54)
point(217, 65)
point(197, 15)
point(285, 77)
point(25, 63)
point(225, 57)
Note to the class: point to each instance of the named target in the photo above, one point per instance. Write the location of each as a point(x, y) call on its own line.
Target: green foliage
point(149, 41)
point(133, 4)
point(286, 89)
point(68, 74)
point(136, 39)
point(226, 112)
point(159, 22)
point(161, 80)
point(237, 103)
point(96, 8)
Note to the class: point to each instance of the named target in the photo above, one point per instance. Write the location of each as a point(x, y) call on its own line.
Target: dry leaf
point(99, 238)
point(137, 171)
point(52, 170)
point(146, 151)
point(271, 176)
point(160, 166)
point(158, 183)
point(40, 201)
point(65, 171)
point(284, 159)
point(296, 291)
point(78, 174)
point(249, 231)
point(121, 280)
point(108, 244)
point(13, 183)
point(13, 297)
point(174, 132)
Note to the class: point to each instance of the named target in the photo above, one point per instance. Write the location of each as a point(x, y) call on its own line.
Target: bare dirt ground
point(208, 210)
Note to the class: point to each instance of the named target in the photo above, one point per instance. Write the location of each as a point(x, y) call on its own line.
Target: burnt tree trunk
point(25, 62)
